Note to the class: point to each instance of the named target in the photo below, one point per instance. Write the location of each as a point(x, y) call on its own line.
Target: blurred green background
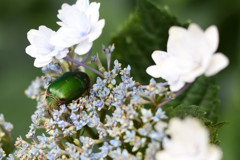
point(17, 17)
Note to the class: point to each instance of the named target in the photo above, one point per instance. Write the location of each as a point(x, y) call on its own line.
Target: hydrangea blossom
point(84, 124)
point(2, 153)
point(117, 117)
point(80, 25)
point(190, 53)
point(189, 141)
point(5, 138)
point(41, 48)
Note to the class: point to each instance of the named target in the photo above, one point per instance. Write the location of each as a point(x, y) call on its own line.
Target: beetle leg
point(52, 96)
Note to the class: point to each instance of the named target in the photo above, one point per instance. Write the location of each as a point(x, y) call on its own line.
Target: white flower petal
point(40, 39)
point(93, 12)
point(218, 62)
point(175, 86)
point(194, 71)
point(154, 71)
point(60, 23)
point(46, 30)
point(214, 153)
point(62, 54)
point(60, 40)
point(213, 38)
point(40, 62)
point(177, 35)
point(82, 5)
point(186, 44)
point(195, 29)
point(64, 11)
point(165, 69)
point(73, 18)
point(159, 57)
point(177, 31)
point(198, 44)
point(30, 50)
point(189, 141)
point(83, 48)
point(96, 31)
point(31, 34)
point(165, 62)
point(66, 37)
point(43, 32)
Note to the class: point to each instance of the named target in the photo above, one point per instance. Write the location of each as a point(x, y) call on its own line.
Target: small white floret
point(41, 48)
point(190, 54)
point(189, 141)
point(80, 26)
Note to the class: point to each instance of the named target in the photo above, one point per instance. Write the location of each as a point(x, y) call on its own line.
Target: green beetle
point(68, 87)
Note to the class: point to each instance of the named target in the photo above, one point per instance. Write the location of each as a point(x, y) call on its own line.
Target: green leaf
point(199, 101)
point(145, 31)
point(185, 110)
point(203, 93)
point(213, 129)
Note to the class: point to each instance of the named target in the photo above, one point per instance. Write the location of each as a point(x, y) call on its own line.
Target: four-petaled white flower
point(189, 141)
point(190, 53)
point(80, 25)
point(41, 48)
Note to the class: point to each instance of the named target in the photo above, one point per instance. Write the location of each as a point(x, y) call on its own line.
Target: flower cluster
point(116, 120)
point(5, 138)
point(79, 27)
point(114, 117)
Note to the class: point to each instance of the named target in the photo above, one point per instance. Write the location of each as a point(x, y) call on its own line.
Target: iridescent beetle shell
point(70, 86)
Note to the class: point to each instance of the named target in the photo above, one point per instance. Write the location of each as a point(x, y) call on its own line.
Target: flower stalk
point(176, 95)
point(84, 65)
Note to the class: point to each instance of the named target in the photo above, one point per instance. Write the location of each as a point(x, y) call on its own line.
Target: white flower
point(80, 25)
point(146, 115)
point(189, 141)
point(41, 48)
point(190, 53)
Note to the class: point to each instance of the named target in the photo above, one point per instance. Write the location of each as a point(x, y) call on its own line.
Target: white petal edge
point(176, 86)
point(214, 153)
point(176, 30)
point(61, 39)
point(194, 74)
point(83, 48)
point(62, 54)
point(97, 30)
point(93, 12)
point(154, 71)
point(159, 57)
point(212, 36)
point(176, 44)
point(218, 62)
point(30, 50)
point(195, 29)
point(82, 5)
point(39, 63)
